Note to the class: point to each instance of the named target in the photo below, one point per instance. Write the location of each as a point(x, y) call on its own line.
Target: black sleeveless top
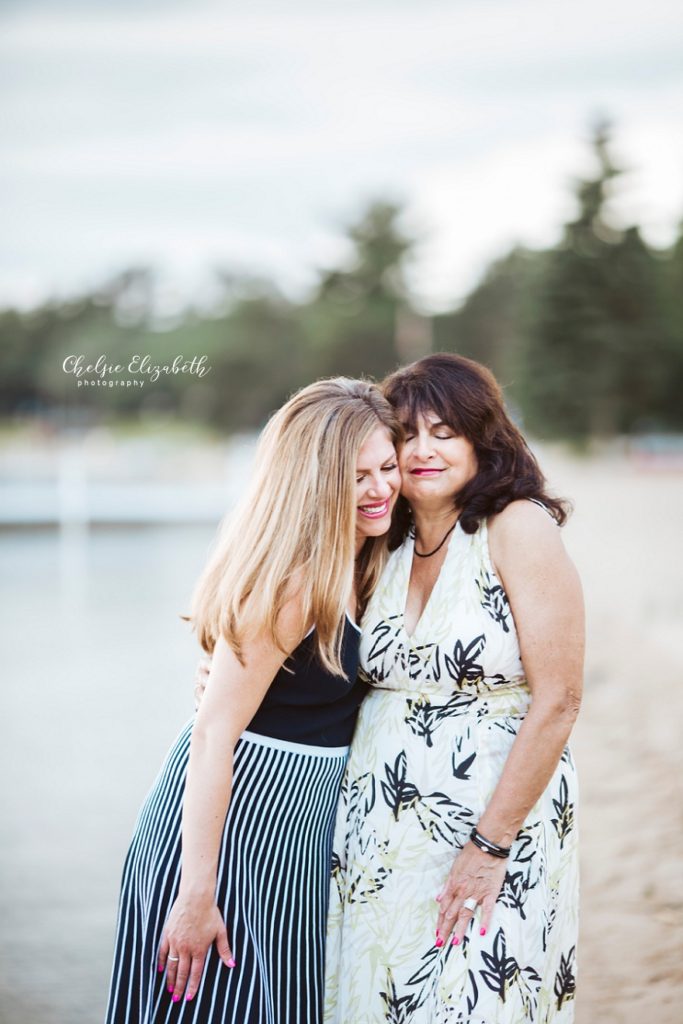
point(307, 704)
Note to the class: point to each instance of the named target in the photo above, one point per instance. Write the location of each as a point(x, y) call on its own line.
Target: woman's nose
point(381, 487)
point(423, 445)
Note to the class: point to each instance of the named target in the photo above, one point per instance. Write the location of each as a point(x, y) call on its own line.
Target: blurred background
point(204, 209)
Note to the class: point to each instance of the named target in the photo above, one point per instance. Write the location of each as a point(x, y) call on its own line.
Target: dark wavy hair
point(465, 395)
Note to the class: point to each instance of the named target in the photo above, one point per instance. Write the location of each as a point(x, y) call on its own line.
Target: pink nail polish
point(160, 968)
point(176, 998)
point(188, 997)
point(231, 963)
point(456, 941)
point(482, 931)
point(439, 942)
point(170, 989)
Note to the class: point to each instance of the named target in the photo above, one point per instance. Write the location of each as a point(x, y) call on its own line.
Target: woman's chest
point(450, 632)
point(422, 579)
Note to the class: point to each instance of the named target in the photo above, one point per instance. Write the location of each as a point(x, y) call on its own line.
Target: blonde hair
point(296, 525)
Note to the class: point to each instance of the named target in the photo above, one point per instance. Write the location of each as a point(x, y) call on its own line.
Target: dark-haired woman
point(454, 894)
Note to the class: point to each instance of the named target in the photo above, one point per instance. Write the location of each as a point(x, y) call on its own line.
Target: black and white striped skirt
point(273, 883)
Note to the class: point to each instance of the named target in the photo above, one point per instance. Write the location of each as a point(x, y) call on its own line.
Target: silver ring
point(470, 904)
point(175, 959)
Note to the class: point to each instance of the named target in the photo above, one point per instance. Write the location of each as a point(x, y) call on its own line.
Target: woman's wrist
point(198, 890)
point(502, 833)
point(488, 846)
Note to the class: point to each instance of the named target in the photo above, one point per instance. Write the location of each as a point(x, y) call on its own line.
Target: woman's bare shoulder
point(523, 520)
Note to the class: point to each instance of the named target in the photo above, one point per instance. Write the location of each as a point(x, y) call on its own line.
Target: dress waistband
point(507, 701)
point(305, 749)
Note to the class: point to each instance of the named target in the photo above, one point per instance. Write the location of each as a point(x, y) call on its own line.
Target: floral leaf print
point(434, 962)
point(398, 1010)
point(514, 891)
point(497, 962)
point(358, 796)
point(361, 790)
point(417, 656)
point(430, 961)
point(565, 981)
point(435, 662)
point(461, 771)
point(443, 818)
point(399, 794)
point(370, 873)
point(473, 994)
point(525, 849)
point(384, 636)
point(551, 914)
point(388, 652)
point(504, 972)
point(457, 704)
point(506, 726)
point(566, 757)
point(528, 993)
point(494, 601)
point(564, 809)
point(463, 666)
point(439, 816)
point(424, 718)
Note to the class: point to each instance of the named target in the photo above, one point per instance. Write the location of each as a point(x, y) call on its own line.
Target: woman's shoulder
point(522, 514)
point(524, 522)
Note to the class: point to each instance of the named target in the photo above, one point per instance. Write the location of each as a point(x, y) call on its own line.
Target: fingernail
point(231, 963)
point(176, 998)
point(439, 940)
point(188, 996)
point(482, 931)
point(456, 941)
point(170, 988)
point(160, 968)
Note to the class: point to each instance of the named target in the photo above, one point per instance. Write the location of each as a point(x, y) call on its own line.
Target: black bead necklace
point(439, 546)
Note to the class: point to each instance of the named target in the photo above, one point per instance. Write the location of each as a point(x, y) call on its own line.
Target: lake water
point(97, 679)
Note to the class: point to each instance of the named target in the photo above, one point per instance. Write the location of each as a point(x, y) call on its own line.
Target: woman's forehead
point(411, 415)
point(377, 448)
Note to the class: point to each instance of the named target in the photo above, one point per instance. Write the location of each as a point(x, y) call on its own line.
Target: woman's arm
point(546, 600)
point(233, 694)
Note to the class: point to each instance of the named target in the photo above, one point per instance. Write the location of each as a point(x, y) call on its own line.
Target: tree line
point(586, 337)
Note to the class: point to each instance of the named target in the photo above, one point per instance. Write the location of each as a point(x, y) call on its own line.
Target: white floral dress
point(432, 738)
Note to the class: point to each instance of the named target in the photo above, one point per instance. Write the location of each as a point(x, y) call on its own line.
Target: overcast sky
point(195, 135)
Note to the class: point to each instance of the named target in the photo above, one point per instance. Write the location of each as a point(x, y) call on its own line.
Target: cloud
point(182, 134)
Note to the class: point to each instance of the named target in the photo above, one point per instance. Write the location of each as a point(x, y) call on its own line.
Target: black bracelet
point(488, 847)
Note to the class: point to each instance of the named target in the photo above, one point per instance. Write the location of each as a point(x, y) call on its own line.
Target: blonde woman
point(235, 930)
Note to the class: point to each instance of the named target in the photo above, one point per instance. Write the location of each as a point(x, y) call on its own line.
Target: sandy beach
point(625, 539)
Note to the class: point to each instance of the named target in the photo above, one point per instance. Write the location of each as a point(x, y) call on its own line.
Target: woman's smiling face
point(435, 462)
point(378, 482)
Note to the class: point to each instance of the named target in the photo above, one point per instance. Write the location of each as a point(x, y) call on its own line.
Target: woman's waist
point(509, 698)
point(299, 747)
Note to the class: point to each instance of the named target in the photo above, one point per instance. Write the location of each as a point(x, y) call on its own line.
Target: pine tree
point(353, 318)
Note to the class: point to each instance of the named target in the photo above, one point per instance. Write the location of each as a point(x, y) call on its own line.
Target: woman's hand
point(475, 875)
point(201, 678)
point(188, 933)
